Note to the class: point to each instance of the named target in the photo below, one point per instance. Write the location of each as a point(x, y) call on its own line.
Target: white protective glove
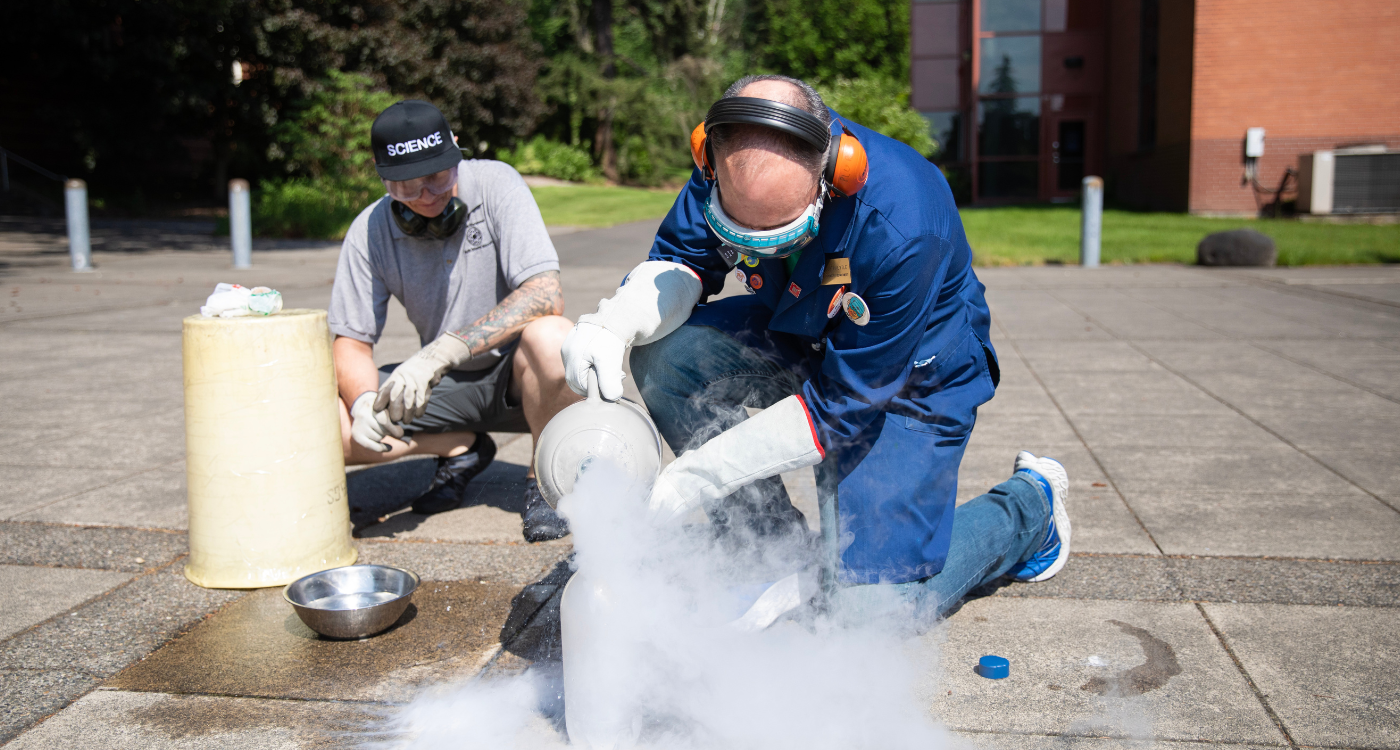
point(655, 300)
point(405, 393)
point(778, 439)
point(368, 427)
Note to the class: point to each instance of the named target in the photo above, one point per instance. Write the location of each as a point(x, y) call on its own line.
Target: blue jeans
point(696, 383)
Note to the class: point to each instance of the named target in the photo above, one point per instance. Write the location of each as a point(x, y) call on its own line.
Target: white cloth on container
point(235, 301)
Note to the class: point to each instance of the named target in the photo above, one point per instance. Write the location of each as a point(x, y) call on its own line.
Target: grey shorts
point(470, 401)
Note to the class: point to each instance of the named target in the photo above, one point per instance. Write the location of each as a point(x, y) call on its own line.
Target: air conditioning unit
point(1360, 180)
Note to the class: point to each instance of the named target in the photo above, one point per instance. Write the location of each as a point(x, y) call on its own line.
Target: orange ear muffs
point(698, 151)
point(847, 168)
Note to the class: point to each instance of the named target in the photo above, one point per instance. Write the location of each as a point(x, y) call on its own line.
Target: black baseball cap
point(411, 139)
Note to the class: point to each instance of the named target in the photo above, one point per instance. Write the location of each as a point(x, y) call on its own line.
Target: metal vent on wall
point(1366, 183)
point(1359, 180)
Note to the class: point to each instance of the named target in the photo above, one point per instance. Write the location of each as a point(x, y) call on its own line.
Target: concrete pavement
point(1230, 436)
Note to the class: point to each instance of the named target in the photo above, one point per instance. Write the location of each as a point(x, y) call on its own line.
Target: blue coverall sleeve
point(865, 367)
point(685, 237)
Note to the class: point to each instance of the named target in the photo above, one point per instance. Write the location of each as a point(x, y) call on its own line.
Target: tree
point(328, 137)
point(831, 39)
point(880, 104)
point(138, 96)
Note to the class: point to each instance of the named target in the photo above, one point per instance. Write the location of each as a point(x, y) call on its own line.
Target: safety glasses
point(409, 190)
point(765, 243)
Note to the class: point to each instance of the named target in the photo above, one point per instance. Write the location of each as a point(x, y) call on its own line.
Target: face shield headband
point(766, 243)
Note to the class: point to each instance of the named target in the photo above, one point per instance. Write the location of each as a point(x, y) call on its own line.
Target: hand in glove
point(593, 346)
point(778, 439)
point(368, 427)
point(405, 394)
point(655, 300)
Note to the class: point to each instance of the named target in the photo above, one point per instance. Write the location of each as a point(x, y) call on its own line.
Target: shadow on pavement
point(378, 494)
point(531, 640)
point(378, 491)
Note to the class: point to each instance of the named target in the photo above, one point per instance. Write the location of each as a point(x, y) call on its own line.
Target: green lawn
point(1025, 235)
point(600, 205)
point(1029, 235)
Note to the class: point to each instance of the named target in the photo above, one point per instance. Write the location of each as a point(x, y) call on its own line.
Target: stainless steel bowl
point(355, 601)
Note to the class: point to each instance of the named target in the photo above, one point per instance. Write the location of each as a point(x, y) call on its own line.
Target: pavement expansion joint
point(1244, 672)
point(1194, 383)
point(1080, 436)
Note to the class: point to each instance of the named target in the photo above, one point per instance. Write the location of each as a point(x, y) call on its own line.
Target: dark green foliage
point(138, 96)
point(303, 207)
point(881, 104)
point(831, 39)
point(326, 139)
point(665, 64)
point(328, 136)
point(542, 156)
point(670, 59)
point(115, 91)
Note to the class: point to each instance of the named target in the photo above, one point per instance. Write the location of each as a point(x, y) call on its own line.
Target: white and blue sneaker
point(1047, 561)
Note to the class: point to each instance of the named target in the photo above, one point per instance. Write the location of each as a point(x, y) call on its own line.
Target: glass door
point(1068, 145)
point(1008, 60)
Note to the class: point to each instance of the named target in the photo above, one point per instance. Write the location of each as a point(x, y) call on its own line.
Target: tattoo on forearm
point(540, 295)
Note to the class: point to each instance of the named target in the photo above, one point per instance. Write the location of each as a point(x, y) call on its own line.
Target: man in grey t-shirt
point(462, 245)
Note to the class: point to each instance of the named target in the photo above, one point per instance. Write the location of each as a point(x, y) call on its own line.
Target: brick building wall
point(1314, 75)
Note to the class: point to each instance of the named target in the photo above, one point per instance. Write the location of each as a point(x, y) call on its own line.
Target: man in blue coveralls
point(865, 342)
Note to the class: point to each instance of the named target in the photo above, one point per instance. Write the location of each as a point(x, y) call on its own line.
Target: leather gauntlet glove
point(778, 439)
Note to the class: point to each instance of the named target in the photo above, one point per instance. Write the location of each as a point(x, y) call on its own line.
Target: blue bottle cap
point(993, 667)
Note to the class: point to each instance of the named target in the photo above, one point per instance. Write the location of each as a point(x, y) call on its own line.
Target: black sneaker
point(449, 486)
point(541, 522)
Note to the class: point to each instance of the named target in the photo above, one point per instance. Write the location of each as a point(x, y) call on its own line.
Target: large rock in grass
point(1237, 247)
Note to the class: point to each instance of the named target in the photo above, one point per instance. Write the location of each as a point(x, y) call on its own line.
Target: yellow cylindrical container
point(263, 453)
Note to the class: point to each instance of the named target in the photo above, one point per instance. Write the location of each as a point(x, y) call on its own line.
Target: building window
point(1010, 65)
point(1069, 155)
point(1011, 15)
point(946, 129)
point(1009, 127)
point(1008, 120)
point(1008, 147)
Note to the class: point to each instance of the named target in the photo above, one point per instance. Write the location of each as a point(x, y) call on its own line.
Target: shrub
point(561, 161)
point(310, 208)
point(325, 148)
point(881, 104)
point(328, 136)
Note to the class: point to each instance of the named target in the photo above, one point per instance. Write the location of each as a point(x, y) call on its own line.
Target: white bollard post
point(1091, 222)
point(75, 207)
point(240, 226)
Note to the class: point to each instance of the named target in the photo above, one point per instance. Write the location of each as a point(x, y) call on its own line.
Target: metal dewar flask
point(584, 434)
point(616, 432)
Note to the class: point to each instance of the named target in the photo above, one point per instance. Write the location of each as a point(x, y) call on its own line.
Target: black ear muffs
point(439, 227)
point(846, 170)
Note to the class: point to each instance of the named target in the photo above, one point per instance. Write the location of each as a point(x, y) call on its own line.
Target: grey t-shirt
point(446, 285)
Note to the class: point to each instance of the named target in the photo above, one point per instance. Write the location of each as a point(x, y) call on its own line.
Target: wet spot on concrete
point(1161, 666)
point(258, 647)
